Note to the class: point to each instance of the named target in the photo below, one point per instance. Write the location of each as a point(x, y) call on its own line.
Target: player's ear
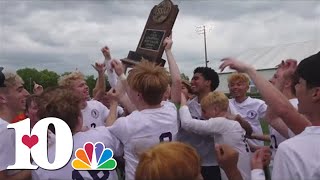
point(3, 99)
point(316, 95)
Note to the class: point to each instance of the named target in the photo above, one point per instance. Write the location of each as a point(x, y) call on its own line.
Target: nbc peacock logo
point(94, 157)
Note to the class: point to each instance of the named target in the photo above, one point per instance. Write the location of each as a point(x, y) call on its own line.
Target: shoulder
point(256, 101)
point(95, 103)
point(168, 104)
point(226, 122)
point(290, 145)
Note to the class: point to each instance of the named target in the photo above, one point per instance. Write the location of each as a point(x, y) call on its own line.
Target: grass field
point(265, 130)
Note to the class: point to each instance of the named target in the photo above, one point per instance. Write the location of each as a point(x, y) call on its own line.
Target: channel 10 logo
point(35, 145)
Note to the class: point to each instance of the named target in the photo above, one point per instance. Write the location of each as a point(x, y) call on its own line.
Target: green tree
point(48, 78)
point(45, 77)
point(29, 75)
point(91, 82)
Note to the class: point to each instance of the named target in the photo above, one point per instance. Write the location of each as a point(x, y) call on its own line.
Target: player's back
point(298, 157)
point(232, 133)
point(144, 129)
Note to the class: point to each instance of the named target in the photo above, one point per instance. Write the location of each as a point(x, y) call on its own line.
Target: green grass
point(265, 130)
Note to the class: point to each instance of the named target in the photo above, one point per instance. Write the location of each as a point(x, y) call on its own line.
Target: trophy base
point(134, 58)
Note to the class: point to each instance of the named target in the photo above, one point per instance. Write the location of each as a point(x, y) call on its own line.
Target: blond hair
point(169, 161)
point(238, 76)
point(217, 99)
point(11, 80)
point(150, 80)
point(67, 80)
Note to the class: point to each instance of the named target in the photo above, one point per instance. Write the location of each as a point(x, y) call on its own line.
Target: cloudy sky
point(64, 35)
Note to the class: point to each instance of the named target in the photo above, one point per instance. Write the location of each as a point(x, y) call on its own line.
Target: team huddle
point(161, 127)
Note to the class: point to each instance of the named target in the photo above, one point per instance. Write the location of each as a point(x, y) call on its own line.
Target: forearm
point(100, 85)
point(192, 125)
point(261, 137)
point(175, 77)
point(124, 99)
point(245, 125)
point(98, 95)
point(278, 103)
point(233, 173)
point(102, 81)
point(127, 104)
point(112, 114)
point(280, 127)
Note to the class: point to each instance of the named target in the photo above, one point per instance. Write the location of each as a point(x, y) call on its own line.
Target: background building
point(266, 59)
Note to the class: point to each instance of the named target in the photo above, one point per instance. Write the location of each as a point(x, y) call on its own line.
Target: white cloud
point(63, 35)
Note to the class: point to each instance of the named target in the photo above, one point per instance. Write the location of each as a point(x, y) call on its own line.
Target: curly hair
point(61, 103)
point(68, 79)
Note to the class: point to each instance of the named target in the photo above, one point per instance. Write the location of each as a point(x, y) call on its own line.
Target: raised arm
point(205, 127)
point(272, 96)
point(277, 123)
point(100, 86)
point(112, 76)
point(174, 71)
point(37, 88)
point(112, 117)
point(122, 87)
point(244, 124)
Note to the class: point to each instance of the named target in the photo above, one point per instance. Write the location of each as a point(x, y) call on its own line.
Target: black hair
point(308, 69)
point(209, 74)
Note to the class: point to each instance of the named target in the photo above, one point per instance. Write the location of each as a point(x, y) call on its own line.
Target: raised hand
point(99, 67)
point(118, 67)
point(106, 53)
point(167, 43)
point(235, 64)
point(37, 88)
point(183, 100)
point(113, 95)
point(288, 67)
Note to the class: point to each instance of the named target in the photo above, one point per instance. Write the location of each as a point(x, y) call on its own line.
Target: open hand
point(117, 66)
point(234, 64)
point(37, 88)
point(106, 53)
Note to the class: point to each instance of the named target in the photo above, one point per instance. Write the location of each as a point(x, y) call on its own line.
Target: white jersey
point(202, 143)
point(7, 145)
point(252, 110)
point(298, 157)
point(276, 137)
point(99, 134)
point(143, 129)
point(224, 131)
point(94, 114)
